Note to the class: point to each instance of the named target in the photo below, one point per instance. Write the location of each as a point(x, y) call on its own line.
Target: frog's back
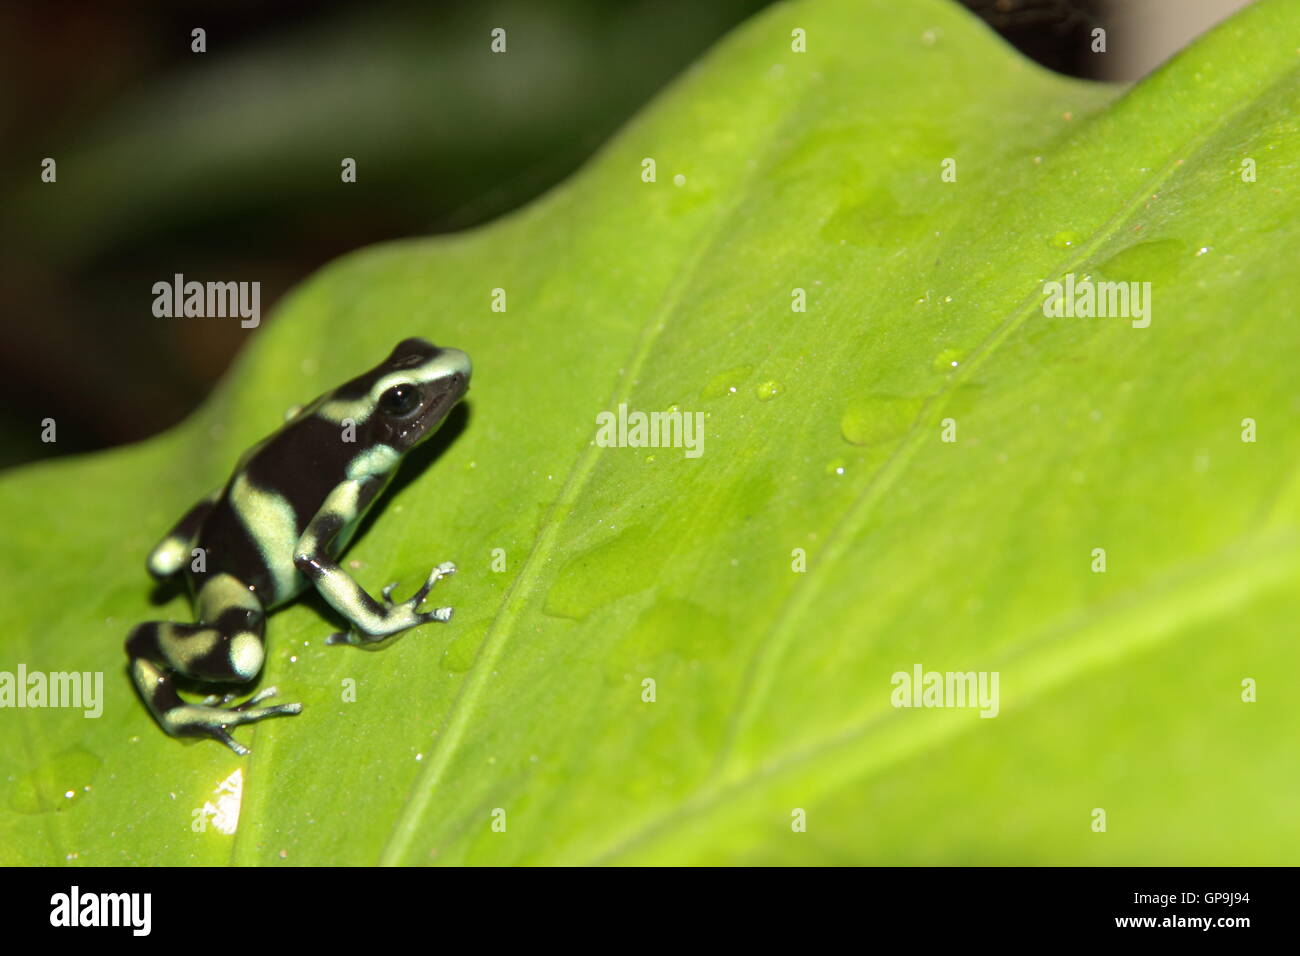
point(255, 524)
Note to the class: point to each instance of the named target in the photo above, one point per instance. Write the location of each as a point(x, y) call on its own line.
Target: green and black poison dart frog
point(277, 525)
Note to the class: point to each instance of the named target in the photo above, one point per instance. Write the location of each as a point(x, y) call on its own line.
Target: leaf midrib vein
point(455, 723)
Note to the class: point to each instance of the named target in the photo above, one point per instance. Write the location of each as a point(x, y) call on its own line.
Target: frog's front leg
point(370, 620)
point(226, 646)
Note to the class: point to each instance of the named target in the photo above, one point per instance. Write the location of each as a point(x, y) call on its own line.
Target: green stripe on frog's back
point(267, 504)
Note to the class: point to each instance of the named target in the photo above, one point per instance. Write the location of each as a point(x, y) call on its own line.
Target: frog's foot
point(444, 570)
point(204, 720)
point(398, 616)
point(441, 614)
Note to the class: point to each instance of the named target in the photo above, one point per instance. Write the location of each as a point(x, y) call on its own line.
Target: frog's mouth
point(454, 390)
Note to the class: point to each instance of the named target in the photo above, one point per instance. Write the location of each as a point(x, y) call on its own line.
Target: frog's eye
point(400, 400)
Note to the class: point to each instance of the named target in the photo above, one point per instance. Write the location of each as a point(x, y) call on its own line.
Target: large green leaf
point(777, 170)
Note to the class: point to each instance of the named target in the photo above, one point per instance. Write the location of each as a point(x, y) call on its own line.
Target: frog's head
point(411, 392)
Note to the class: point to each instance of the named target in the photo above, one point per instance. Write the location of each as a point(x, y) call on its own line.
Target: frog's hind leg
point(225, 647)
point(170, 554)
point(182, 719)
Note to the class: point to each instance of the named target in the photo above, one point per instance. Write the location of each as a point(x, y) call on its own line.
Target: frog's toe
point(260, 713)
point(217, 700)
point(256, 699)
point(439, 572)
point(224, 737)
point(440, 614)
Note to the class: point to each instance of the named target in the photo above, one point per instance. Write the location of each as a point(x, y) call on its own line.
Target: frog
point(277, 527)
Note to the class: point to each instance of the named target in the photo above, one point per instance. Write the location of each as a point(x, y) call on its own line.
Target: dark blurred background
point(225, 165)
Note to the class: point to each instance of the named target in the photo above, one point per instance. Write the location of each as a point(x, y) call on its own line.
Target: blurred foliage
point(226, 165)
